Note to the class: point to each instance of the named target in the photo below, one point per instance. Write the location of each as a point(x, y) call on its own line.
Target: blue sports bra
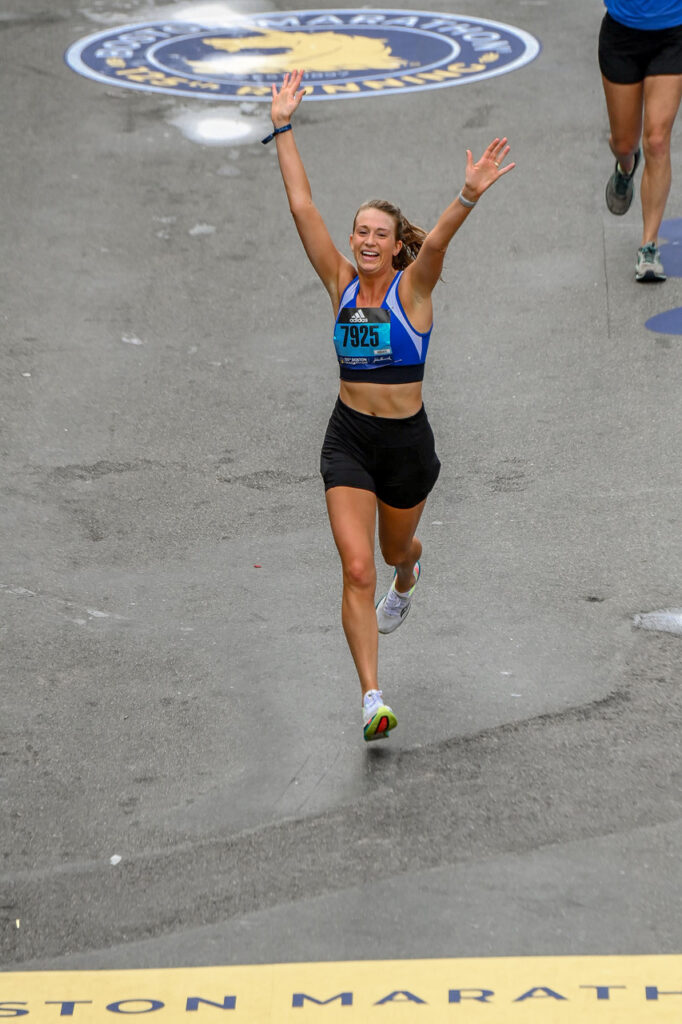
point(378, 344)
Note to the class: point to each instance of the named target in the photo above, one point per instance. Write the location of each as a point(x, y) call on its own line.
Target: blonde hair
point(409, 234)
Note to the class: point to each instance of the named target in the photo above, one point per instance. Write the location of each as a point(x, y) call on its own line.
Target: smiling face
point(373, 242)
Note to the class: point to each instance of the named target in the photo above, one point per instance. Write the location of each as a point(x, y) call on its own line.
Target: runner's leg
point(662, 95)
point(399, 546)
point(624, 108)
point(352, 515)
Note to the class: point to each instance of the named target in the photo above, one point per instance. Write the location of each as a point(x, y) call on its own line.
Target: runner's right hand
point(285, 102)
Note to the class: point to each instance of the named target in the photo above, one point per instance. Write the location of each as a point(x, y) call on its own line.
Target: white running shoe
point(393, 607)
point(649, 266)
point(377, 718)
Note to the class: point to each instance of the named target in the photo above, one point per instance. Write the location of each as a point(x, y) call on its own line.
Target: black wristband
point(276, 131)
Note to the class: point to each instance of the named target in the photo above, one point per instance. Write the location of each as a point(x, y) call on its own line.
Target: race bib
point(362, 337)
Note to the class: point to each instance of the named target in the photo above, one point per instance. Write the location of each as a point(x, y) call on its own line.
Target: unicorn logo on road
point(277, 51)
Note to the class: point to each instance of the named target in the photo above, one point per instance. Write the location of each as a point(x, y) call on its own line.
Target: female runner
point(378, 456)
point(640, 57)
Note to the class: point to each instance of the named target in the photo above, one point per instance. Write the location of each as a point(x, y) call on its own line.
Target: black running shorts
point(394, 458)
point(629, 55)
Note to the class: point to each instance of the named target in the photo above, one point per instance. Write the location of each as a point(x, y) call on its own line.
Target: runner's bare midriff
point(390, 401)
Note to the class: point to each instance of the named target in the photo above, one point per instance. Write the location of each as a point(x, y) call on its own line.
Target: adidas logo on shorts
point(358, 317)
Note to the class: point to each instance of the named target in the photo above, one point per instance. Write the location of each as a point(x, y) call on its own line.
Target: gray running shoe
point(649, 266)
point(620, 189)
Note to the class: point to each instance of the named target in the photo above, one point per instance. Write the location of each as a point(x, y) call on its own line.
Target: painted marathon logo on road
point(346, 53)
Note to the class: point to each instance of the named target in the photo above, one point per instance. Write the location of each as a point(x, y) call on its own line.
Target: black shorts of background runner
point(629, 55)
point(394, 458)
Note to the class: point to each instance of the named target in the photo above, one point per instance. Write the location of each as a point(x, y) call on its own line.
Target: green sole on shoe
point(380, 725)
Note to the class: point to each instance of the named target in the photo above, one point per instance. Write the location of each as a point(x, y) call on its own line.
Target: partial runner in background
point(640, 58)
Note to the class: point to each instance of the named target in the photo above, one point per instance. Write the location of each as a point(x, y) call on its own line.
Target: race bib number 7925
point(362, 337)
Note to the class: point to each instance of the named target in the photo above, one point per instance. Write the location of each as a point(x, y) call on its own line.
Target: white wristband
point(467, 202)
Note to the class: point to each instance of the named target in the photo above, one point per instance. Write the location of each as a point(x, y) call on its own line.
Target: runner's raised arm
point(334, 270)
point(423, 275)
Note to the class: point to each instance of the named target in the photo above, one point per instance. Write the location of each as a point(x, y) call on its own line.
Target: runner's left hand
point(486, 171)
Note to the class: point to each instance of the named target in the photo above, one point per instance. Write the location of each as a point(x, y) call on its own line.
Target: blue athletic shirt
point(646, 14)
point(378, 345)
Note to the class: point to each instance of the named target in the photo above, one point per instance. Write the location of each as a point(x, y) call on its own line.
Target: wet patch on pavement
point(669, 620)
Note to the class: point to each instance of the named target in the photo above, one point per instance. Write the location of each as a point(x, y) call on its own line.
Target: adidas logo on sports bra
point(358, 317)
